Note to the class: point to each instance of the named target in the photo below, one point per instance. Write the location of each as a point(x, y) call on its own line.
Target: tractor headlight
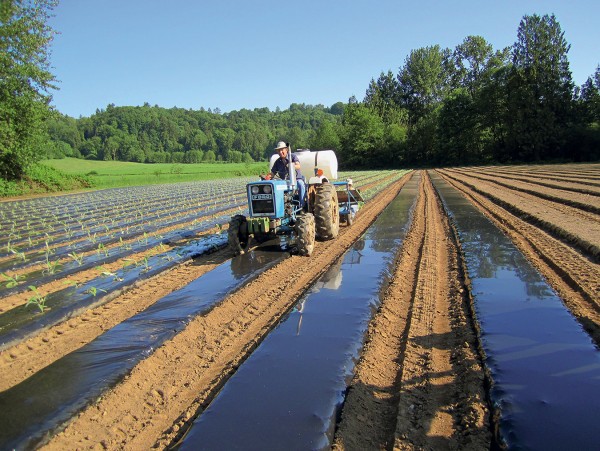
point(267, 189)
point(254, 189)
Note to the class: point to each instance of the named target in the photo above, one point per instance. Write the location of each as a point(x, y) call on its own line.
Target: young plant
point(102, 248)
point(20, 255)
point(77, 257)
point(128, 262)
point(113, 275)
point(71, 283)
point(146, 265)
point(144, 239)
point(92, 238)
point(12, 281)
point(93, 291)
point(37, 299)
point(51, 267)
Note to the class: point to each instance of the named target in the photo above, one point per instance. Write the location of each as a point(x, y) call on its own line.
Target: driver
point(281, 170)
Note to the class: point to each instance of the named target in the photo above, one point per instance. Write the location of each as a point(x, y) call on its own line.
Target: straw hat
point(280, 145)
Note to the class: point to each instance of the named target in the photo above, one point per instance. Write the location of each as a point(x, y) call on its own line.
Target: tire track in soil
point(575, 278)
point(161, 396)
point(420, 382)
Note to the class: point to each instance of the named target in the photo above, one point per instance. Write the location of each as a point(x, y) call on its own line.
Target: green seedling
point(144, 239)
point(125, 245)
point(128, 262)
point(37, 299)
point(77, 257)
point(51, 267)
point(103, 249)
point(93, 291)
point(146, 264)
point(20, 255)
point(71, 283)
point(49, 250)
point(12, 281)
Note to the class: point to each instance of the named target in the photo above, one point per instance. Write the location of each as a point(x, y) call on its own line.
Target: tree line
point(469, 105)
point(476, 105)
point(151, 134)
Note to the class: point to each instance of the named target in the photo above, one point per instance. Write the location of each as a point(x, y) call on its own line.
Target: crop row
point(95, 266)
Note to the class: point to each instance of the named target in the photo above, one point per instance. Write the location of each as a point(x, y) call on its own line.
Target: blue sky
point(235, 54)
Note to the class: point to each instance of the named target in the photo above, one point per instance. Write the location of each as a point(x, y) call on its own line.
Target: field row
point(47, 285)
point(557, 227)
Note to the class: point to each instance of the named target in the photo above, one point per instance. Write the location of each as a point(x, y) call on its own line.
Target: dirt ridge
point(578, 240)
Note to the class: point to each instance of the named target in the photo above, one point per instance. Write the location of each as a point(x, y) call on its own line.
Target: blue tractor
point(275, 208)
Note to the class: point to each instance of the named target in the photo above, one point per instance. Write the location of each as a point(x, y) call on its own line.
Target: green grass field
point(113, 174)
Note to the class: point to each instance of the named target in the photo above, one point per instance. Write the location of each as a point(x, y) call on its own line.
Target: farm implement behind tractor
point(275, 207)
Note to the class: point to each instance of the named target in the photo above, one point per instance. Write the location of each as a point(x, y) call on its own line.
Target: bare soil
point(420, 382)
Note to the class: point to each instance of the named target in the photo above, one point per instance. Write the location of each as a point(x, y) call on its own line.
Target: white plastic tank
point(312, 159)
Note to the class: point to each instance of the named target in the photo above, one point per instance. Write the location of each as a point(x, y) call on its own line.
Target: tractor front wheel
point(326, 211)
point(305, 232)
point(237, 235)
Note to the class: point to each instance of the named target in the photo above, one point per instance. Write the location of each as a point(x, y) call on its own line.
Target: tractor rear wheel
point(326, 211)
point(237, 235)
point(305, 232)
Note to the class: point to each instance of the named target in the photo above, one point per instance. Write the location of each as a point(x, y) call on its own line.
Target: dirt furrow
point(580, 201)
point(541, 181)
point(574, 277)
point(581, 229)
point(163, 393)
point(419, 383)
point(563, 172)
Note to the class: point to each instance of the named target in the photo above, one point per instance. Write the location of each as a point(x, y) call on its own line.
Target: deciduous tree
point(25, 82)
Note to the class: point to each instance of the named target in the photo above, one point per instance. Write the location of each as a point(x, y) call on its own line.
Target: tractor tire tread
point(326, 211)
point(305, 231)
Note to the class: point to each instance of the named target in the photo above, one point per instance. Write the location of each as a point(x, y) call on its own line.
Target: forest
point(469, 105)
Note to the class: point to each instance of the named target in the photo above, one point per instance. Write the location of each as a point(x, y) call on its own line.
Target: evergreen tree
point(540, 90)
point(590, 99)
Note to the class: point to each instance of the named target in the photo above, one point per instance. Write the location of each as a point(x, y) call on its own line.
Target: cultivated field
point(117, 174)
point(125, 323)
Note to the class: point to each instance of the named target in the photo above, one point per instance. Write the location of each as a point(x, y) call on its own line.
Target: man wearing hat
point(281, 170)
